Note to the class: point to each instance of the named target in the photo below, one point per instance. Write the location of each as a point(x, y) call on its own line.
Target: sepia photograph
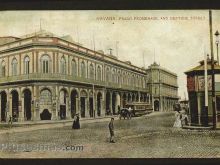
point(109, 84)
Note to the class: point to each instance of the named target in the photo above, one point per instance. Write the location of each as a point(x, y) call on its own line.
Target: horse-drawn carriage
point(125, 113)
point(135, 109)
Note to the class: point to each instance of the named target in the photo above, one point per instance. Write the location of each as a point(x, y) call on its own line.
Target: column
point(21, 107)
point(199, 110)
point(139, 97)
point(68, 108)
point(148, 98)
point(103, 104)
point(37, 103)
point(110, 102)
point(87, 107)
point(77, 105)
point(57, 104)
point(0, 107)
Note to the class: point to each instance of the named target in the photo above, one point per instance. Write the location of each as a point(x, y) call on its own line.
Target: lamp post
point(213, 71)
point(217, 42)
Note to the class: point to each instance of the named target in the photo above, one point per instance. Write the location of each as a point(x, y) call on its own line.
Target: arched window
point(113, 76)
point(14, 64)
point(63, 66)
point(123, 78)
point(118, 77)
point(3, 69)
point(45, 64)
point(83, 69)
point(26, 65)
point(99, 74)
point(91, 71)
point(74, 68)
point(45, 97)
point(108, 75)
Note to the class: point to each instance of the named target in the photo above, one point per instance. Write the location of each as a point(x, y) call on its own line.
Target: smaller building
point(196, 92)
point(163, 87)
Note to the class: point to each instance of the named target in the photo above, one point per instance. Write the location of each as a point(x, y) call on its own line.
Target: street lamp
point(217, 42)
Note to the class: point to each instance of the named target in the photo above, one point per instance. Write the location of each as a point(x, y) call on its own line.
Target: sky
point(175, 39)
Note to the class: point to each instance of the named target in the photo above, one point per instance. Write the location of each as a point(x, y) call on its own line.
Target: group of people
point(181, 118)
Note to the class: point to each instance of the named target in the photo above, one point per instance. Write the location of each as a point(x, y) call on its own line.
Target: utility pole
point(213, 71)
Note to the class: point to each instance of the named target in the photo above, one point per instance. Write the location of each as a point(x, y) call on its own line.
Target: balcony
point(35, 77)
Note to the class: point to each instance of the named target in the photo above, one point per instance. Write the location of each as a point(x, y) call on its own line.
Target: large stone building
point(162, 85)
point(43, 76)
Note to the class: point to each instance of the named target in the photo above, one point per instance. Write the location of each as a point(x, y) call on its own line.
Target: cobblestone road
point(147, 137)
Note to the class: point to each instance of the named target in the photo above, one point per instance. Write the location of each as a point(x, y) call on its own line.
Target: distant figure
point(184, 118)
point(10, 121)
point(111, 129)
point(177, 123)
point(119, 108)
point(77, 122)
point(74, 126)
point(14, 117)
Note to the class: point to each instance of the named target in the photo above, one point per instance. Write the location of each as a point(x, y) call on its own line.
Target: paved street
point(146, 137)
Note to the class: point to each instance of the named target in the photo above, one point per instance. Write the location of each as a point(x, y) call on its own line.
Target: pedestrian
point(119, 108)
point(10, 121)
point(177, 123)
point(74, 126)
point(77, 122)
point(184, 118)
point(111, 129)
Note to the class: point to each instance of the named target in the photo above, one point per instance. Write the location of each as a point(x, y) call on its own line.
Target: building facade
point(44, 77)
point(162, 85)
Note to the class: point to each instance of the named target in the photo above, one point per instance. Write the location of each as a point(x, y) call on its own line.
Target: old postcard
point(109, 84)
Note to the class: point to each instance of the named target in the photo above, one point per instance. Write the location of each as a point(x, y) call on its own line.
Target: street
point(149, 136)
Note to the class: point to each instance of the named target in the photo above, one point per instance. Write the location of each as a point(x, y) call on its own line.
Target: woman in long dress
point(177, 123)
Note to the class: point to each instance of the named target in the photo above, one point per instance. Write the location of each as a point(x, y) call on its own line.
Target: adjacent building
point(162, 85)
point(45, 77)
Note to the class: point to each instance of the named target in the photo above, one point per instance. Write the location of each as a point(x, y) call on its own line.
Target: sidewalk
point(31, 126)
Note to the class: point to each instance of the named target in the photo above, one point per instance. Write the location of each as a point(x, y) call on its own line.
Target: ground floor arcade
point(40, 101)
point(164, 104)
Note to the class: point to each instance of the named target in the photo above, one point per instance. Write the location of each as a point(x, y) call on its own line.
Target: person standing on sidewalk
point(111, 129)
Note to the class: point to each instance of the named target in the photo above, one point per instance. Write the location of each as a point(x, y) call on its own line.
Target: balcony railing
point(67, 78)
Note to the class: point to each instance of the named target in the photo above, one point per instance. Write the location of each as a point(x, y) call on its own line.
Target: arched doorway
point(145, 98)
point(91, 104)
point(156, 105)
point(99, 99)
point(27, 104)
point(63, 102)
point(3, 106)
point(113, 102)
point(137, 97)
point(124, 100)
point(133, 98)
point(107, 103)
point(83, 96)
point(129, 98)
point(73, 107)
point(15, 103)
point(45, 115)
point(45, 104)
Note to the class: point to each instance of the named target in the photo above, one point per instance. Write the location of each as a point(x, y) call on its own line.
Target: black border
point(107, 4)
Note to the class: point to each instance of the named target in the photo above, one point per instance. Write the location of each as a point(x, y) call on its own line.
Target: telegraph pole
point(213, 71)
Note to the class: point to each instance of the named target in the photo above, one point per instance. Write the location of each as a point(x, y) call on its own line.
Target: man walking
point(111, 129)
